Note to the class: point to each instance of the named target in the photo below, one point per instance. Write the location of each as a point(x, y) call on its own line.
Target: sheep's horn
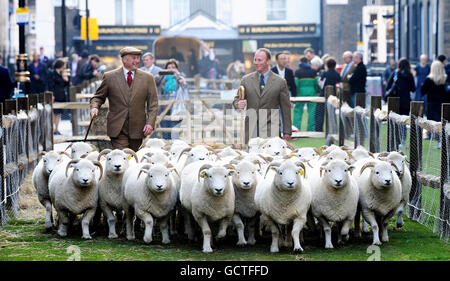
point(367, 165)
point(98, 164)
point(345, 148)
point(131, 152)
point(322, 148)
point(144, 168)
point(309, 164)
point(238, 152)
point(383, 154)
point(300, 164)
point(205, 166)
point(256, 162)
point(371, 154)
point(267, 159)
point(166, 147)
point(183, 151)
point(103, 152)
point(272, 164)
point(290, 145)
point(230, 167)
point(349, 154)
point(395, 166)
point(144, 143)
point(63, 152)
point(147, 156)
point(170, 166)
point(41, 154)
point(84, 155)
point(324, 154)
point(239, 158)
point(68, 165)
point(213, 151)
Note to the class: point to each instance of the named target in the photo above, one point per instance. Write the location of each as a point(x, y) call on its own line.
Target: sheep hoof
point(86, 237)
point(329, 246)
point(274, 249)
point(62, 233)
point(130, 238)
point(385, 239)
point(167, 241)
point(357, 234)
point(147, 240)
point(298, 250)
point(241, 243)
point(399, 224)
point(48, 229)
point(207, 250)
point(251, 242)
point(378, 243)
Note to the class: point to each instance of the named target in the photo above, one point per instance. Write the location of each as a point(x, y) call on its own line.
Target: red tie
point(129, 79)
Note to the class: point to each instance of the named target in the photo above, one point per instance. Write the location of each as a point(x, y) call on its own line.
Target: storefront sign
point(132, 30)
point(22, 16)
point(291, 29)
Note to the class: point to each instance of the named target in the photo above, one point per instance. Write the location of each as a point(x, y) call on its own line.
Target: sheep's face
point(287, 176)
point(83, 173)
point(157, 178)
point(216, 179)
point(199, 153)
point(359, 154)
point(80, 148)
point(175, 150)
point(155, 143)
point(156, 158)
point(245, 174)
point(382, 175)
point(228, 151)
point(51, 160)
point(399, 160)
point(306, 154)
point(336, 173)
point(116, 162)
point(275, 147)
point(338, 154)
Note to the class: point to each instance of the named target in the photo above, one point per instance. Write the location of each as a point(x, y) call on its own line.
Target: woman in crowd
point(330, 77)
point(57, 84)
point(403, 80)
point(173, 87)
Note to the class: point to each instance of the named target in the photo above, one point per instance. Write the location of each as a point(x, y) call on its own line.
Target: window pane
point(224, 11)
point(118, 12)
point(276, 9)
point(180, 10)
point(130, 12)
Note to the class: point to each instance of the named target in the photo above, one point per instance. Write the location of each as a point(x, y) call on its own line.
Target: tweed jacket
point(138, 103)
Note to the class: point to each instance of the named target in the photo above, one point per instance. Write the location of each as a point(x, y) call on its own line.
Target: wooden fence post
point(444, 201)
point(375, 103)
point(394, 106)
point(73, 112)
point(34, 99)
point(328, 91)
point(23, 104)
point(10, 107)
point(49, 100)
point(340, 94)
point(360, 100)
point(415, 157)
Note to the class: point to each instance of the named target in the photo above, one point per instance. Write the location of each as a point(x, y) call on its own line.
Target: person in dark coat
point(436, 91)
point(387, 73)
point(358, 78)
point(285, 72)
point(421, 72)
point(89, 69)
point(405, 84)
point(38, 75)
point(84, 59)
point(57, 84)
point(6, 84)
point(330, 77)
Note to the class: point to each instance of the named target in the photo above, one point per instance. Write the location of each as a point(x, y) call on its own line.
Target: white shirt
point(125, 72)
point(281, 72)
point(148, 70)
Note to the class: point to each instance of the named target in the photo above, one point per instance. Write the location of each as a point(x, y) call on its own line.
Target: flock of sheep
point(271, 187)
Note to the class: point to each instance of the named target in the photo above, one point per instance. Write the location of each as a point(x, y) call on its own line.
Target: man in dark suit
point(6, 84)
point(265, 92)
point(285, 72)
point(357, 79)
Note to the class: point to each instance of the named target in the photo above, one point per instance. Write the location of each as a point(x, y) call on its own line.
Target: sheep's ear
point(324, 154)
point(103, 152)
point(394, 166)
point(70, 164)
point(41, 154)
point(201, 172)
point(132, 153)
point(143, 169)
point(231, 172)
point(350, 169)
point(99, 165)
point(290, 145)
point(256, 162)
point(383, 154)
point(302, 172)
point(402, 153)
point(367, 165)
point(63, 152)
point(317, 151)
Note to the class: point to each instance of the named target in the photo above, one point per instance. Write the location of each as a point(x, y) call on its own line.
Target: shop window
point(276, 10)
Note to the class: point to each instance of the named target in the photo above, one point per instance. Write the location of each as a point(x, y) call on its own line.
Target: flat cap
point(130, 51)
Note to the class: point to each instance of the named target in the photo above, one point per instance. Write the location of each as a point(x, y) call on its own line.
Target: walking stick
point(241, 94)
point(88, 129)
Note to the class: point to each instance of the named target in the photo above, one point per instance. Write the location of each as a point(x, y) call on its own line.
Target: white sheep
point(306, 154)
point(80, 148)
point(380, 193)
point(254, 145)
point(276, 147)
point(335, 196)
point(399, 159)
point(193, 154)
point(360, 153)
point(149, 196)
point(282, 197)
point(110, 187)
point(75, 193)
point(245, 179)
point(153, 143)
point(40, 179)
point(212, 200)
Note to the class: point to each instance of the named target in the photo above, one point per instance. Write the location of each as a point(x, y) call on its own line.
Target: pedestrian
point(38, 76)
point(328, 78)
point(192, 63)
point(74, 66)
point(148, 60)
point(236, 70)
point(133, 101)
point(403, 80)
point(81, 62)
point(357, 79)
point(286, 73)
point(443, 59)
point(347, 69)
point(89, 69)
point(421, 72)
point(42, 57)
point(57, 84)
point(265, 92)
point(173, 87)
point(310, 54)
point(306, 81)
point(176, 55)
point(387, 74)
point(6, 84)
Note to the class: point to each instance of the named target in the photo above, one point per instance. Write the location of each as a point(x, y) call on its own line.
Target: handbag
point(393, 91)
point(180, 108)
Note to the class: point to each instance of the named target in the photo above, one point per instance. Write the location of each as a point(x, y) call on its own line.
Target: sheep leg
point(400, 214)
point(251, 230)
point(223, 227)
point(164, 227)
point(87, 218)
point(385, 221)
point(357, 222)
point(129, 220)
point(63, 223)
point(188, 230)
point(346, 228)
point(206, 230)
point(296, 229)
point(147, 218)
point(172, 223)
point(275, 235)
point(237, 221)
point(365, 227)
point(111, 219)
point(48, 215)
point(327, 230)
point(370, 217)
